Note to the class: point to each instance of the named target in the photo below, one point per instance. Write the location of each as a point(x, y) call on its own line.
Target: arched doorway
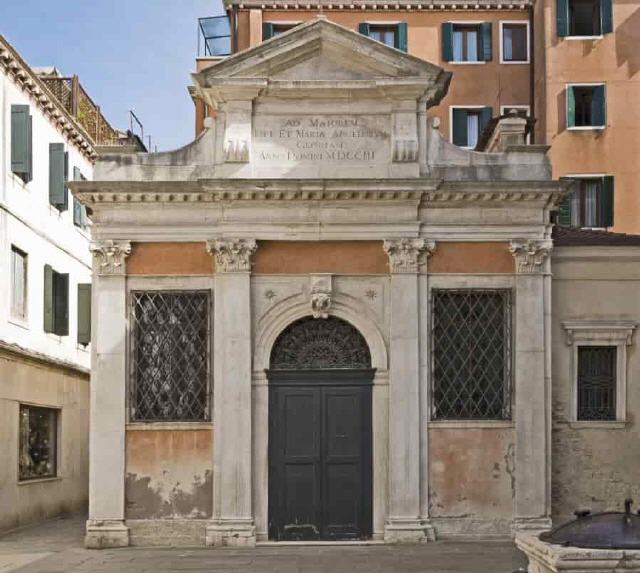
point(320, 436)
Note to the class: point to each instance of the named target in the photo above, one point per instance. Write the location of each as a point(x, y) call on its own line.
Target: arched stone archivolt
point(296, 307)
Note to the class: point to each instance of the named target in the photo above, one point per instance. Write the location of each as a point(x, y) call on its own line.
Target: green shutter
point(61, 303)
point(571, 107)
point(20, 140)
point(564, 208)
point(486, 52)
point(57, 188)
point(48, 299)
point(486, 113)
point(460, 127)
point(30, 151)
point(364, 28)
point(402, 36)
point(606, 16)
point(267, 30)
point(84, 313)
point(562, 18)
point(447, 42)
point(606, 201)
point(598, 106)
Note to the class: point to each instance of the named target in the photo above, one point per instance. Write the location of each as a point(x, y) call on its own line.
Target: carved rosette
point(530, 254)
point(406, 255)
point(232, 255)
point(109, 256)
point(320, 287)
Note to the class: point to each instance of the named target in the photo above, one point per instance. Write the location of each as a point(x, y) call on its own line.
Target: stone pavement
point(56, 547)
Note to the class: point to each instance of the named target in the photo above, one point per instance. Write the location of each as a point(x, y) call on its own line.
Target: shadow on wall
point(562, 111)
point(628, 43)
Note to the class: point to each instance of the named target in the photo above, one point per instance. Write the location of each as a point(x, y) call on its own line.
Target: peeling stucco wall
point(168, 474)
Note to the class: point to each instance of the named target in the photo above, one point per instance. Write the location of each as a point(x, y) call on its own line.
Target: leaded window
point(170, 354)
point(596, 383)
point(471, 354)
point(38, 442)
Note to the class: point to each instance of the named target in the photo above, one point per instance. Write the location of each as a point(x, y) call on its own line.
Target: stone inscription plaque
point(324, 139)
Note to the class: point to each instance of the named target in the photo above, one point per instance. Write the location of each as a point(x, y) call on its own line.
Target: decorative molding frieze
point(236, 151)
point(405, 150)
point(406, 255)
point(320, 289)
point(530, 254)
point(232, 255)
point(109, 256)
point(599, 331)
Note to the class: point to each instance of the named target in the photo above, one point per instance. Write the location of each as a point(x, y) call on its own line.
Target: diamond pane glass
point(471, 354)
point(597, 383)
point(170, 356)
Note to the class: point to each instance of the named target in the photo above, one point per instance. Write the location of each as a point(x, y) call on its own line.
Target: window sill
point(587, 128)
point(19, 323)
point(595, 425)
point(462, 63)
point(39, 480)
point(509, 62)
point(168, 426)
point(472, 424)
point(580, 38)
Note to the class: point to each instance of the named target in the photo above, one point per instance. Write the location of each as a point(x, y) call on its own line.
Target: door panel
point(319, 460)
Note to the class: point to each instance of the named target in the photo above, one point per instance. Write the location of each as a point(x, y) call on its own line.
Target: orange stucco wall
point(463, 257)
point(615, 60)
point(169, 259)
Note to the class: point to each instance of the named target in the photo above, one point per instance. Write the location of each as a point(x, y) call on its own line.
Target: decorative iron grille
point(471, 354)
point(170, 356)
point(596, 383)
point(311, 343)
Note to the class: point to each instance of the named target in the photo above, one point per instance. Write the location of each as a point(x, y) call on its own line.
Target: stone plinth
point(547, 558)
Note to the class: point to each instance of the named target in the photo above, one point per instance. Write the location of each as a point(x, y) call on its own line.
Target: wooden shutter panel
point(20, 140)
point(267, 30)
point(486, 52)
point(48, 299)
point(402, 36)
point(447, 42)
point(486, 113)
point(57, 189)
point(459, 128)
point(30, 151)
point(564, 209)
point(562, 18)
point(606, 201)
point(84, 313)
point(61, 303)
point(364, 28)
point(606, 16)
point(571, 107)
point(598, 106)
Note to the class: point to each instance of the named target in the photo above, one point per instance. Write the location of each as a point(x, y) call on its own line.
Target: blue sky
point(129, 54)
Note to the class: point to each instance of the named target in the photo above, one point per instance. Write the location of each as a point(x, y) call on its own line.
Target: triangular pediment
point(319, 50)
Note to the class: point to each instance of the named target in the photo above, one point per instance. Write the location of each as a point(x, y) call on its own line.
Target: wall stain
point(510, 467)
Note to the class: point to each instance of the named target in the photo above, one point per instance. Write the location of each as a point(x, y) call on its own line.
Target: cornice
point(382, 6)
point(22, 74)
point(419, 191)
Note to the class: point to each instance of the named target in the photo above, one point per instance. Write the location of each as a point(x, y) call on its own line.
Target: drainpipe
point(532, 75)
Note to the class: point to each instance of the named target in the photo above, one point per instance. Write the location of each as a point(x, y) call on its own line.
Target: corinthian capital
point(530, 254)
point(109, 256)
point(232, 255)
point(406, 255)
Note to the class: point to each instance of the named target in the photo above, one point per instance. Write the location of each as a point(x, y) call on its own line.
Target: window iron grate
point(596, 383)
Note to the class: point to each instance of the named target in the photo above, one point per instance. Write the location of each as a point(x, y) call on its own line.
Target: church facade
point(321, 321)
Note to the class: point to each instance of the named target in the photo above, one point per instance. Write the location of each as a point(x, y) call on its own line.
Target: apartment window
point(514, 42)
point(596, 383)
point(79, 210)
point(270, 29)
point(392, 34)
point(586, 106)
point(38, 442)
point(468, 123)
point(18, 283)
point(58, 176)
point(21, 142)
point(56, 302)
point(590, 205)
point(471, 354)
point(584, 18)
point(170, 356)
point(466, 42)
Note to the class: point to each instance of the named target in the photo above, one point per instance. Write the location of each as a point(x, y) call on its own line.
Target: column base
point(531, 525)
point(408, 530)
point(106, 533)
point(231, 533)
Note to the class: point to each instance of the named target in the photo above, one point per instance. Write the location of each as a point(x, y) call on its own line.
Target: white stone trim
point(616, 333)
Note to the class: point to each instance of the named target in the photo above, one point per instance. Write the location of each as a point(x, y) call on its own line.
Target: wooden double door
point(320, 466)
